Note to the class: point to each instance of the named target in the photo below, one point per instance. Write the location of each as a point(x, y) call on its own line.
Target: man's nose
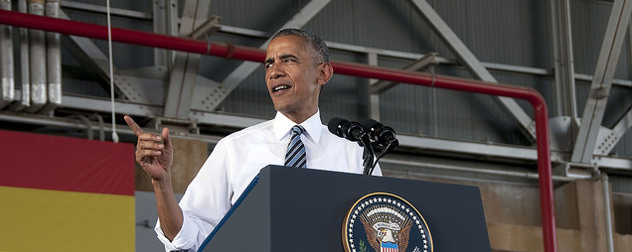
point(276, 71)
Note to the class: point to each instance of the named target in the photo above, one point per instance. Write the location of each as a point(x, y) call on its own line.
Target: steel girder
point(472, 63)
point(590, 128)
point(184, 73)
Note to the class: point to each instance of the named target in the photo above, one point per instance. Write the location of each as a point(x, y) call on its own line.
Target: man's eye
point(267, 65)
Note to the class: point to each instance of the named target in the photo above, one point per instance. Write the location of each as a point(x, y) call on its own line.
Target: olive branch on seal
point(362, 246)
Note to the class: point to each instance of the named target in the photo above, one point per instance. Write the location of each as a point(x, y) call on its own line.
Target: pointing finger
point(132, 125)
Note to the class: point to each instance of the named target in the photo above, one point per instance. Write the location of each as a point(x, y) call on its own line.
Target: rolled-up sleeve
point(205, 202)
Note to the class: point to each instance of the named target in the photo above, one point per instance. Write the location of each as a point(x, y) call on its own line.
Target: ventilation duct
point(53, 60)
point(7, 92)
point(25, 98)
point(37, 59)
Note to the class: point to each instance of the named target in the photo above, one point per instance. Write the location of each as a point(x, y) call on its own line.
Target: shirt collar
point(313, 126)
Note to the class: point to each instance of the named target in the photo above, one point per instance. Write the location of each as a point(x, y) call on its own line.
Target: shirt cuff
point(185, 240)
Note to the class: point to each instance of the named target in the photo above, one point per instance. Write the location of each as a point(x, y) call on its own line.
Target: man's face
point(293, 78)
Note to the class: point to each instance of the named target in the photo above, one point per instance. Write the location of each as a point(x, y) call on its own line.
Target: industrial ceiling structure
point(575, 53)
point(173, 91)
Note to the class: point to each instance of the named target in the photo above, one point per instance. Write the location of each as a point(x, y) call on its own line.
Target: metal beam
point(377, 87)
point(374, 98)
point(245, 69)
point(425, 61)
point(618, 82)
point(623, 124)
point(89, 54)
point(103, 10)
point(209, 26)
point(414, 56)
point(447, 146)
point(89, 50)
point(471, 62)
point(607, 139)
point(165, 21)
point(563, 53)
point(434, 169)
point(183, 77)
point(103, 106)
point(602, 82)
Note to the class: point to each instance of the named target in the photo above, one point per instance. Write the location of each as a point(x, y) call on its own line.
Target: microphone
point(351, 131)
point(381, 135)
point(354, 132)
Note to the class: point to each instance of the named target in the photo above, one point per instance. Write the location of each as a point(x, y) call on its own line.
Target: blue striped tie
point(295, 154)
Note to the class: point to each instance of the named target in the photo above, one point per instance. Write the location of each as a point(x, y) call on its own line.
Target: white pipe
point(101, 125)
point(73, 124)
point(37, 59)
point(6, 61)
point(25, 78)
point(53, 61)
point(86, 122)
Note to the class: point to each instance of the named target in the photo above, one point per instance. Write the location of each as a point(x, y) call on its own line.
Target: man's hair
point(315, 45)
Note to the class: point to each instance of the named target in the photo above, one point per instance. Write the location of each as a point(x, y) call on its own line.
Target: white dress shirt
point(237, 159)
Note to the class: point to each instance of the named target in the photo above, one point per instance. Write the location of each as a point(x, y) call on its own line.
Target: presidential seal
point(384, 222)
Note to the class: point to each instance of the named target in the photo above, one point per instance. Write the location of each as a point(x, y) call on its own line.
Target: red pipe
point(253, 54)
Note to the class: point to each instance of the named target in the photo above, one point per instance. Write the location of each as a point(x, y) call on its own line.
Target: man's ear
point(325, 73)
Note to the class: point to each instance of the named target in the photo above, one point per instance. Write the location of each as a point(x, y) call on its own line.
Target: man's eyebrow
point(287, 56)
point(284, 56)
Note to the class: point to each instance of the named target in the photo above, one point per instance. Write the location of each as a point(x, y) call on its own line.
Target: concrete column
point(591, 215)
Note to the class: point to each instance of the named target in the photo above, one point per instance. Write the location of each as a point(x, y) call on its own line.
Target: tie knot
point(297, 130)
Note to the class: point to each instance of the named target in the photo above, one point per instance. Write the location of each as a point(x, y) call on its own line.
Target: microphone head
point(380, 135)
point(371, 126)
point(335, 126)
point(353, 131)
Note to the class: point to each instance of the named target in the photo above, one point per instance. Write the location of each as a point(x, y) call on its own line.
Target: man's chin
point(281, 107)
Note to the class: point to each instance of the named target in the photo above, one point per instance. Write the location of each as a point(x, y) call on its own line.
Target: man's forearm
point(169, 212)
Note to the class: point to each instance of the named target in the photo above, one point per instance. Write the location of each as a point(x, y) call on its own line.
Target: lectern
point(290, 209)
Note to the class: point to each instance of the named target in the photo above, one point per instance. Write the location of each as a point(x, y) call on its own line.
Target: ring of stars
point(382, 200)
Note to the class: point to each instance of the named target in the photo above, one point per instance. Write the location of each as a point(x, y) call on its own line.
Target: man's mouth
point(279, 88)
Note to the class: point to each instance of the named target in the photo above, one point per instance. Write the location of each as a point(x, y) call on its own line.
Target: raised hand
point(154, 152)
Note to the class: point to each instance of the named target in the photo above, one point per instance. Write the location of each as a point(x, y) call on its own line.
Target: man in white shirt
point(297, 67)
